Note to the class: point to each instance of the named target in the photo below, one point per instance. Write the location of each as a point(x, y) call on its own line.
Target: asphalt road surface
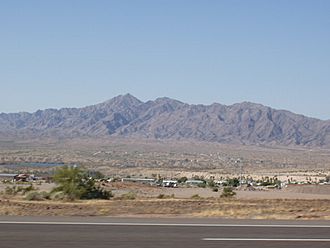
point(158, 233)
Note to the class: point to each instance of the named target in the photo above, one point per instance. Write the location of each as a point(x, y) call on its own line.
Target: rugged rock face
point(164, 118)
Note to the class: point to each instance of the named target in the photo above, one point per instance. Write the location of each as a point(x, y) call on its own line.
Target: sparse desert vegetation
point(136, 199)
point(194, 207)
point(205, 166)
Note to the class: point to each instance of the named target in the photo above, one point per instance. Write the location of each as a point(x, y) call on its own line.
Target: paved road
point(158, 233)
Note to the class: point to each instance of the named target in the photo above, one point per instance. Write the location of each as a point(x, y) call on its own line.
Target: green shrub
point(14, 190)
point(57, 196)
point(97, 193)
point(163, 196)
point(37, 196)
point(228, 192)
point(74, 183)
point(27, 189)
point(128, 196)
point(211, 184)
point(196, 196)
point(182, 180)
point(10, 190)
point(34, 196)
point(45, 195)
point(233, 182)
point(6, 181)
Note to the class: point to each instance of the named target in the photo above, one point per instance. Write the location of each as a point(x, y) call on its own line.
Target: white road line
point(160, 224)
point(262, 239)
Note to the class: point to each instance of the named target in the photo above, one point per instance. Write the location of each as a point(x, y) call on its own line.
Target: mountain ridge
point(165, 118)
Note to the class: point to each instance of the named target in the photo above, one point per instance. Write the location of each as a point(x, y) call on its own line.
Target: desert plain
point(304, 172)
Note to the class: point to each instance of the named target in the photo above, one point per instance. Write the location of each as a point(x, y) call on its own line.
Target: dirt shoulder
point(136, 200)
point(211, 207)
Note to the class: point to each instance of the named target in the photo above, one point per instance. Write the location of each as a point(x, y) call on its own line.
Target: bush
point(182, 180)
point(6, 181)
point(57, 196)
point(95, 174)
point(97, 193)
point(196, 196)
point(228, 192)
point(128, 196)
point(215, 189)
point(34, 196)
point(14, 190)
point(37, 196)
point(74, 183)
point(10, 190)
point(27, 189)
point(163, 196)
point(211, 184)
point(234, 182)
point(46, 195)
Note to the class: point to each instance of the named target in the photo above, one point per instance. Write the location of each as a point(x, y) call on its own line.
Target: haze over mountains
point(165, 118)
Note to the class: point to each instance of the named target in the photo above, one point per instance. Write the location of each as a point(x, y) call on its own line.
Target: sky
point(74, 53)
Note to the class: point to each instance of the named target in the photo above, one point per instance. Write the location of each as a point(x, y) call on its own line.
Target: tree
point(234, 182)
point(74, 183)
point(95, 174)
point(211, 184)
point(182, 180)
point(327, 179)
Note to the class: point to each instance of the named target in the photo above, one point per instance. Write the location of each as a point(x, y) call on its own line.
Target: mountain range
point(165, 118)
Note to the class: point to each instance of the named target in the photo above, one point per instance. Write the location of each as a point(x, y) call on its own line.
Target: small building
point(138, 180)
point(17, 177)
point(23, 178)
point(170, 183)
point(7, 176)
point(221, 182)
point(194, 182)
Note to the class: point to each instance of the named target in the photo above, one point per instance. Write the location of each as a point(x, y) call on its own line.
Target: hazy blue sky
point(75, 53)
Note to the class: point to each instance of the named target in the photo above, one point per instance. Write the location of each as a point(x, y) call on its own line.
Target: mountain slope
point(165, 118)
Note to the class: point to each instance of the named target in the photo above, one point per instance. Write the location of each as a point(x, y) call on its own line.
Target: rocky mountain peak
point(166, 118)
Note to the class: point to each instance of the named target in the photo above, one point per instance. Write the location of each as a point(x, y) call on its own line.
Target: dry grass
point(211, 207)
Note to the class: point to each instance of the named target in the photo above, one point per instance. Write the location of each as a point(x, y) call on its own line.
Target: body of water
point(32, 165)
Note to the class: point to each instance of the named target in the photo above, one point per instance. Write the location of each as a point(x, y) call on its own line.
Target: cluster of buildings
point(235, 182)
point(171, 183)
point(17, 177)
